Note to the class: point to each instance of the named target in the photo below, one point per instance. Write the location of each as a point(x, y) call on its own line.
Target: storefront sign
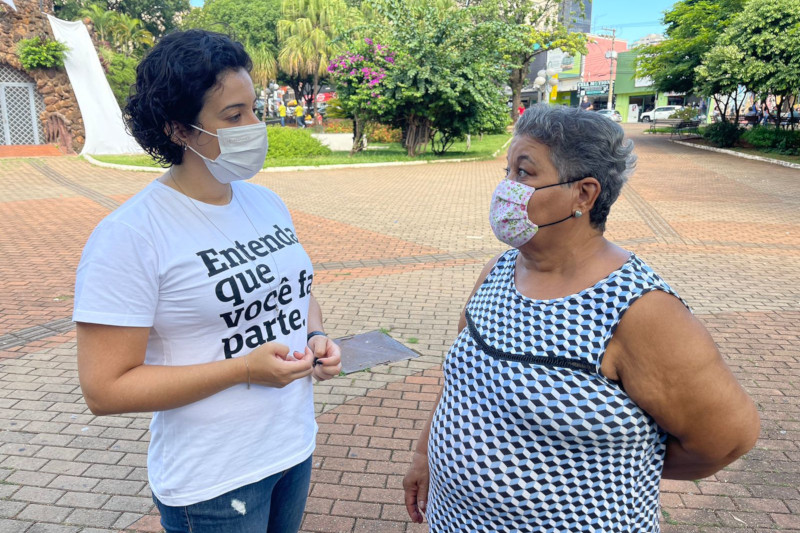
point(591, 88)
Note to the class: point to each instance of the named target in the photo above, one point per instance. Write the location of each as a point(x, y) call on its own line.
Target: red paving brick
point(722, 231)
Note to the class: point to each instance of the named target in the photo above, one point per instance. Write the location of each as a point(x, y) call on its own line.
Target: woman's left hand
point(327, 357)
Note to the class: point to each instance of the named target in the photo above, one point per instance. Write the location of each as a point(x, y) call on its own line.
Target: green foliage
point(722, 134)
point(444, 80)
point(773, 140)
point(120, 73)
point(292, 142)
point(766, 37)
point(687, 113)
point(158, 17)
point(381, 133)
point(248, 21)
point(40, 52)
point(693, 27)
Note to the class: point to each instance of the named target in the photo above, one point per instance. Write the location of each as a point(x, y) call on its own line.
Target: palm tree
point(129, 34)
point(307, 33)
point(102, 19)
point(265, 68)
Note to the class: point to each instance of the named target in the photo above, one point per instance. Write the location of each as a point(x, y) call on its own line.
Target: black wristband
point(313, 333)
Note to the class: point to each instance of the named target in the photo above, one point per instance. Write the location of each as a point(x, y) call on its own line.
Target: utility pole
point(612, 57)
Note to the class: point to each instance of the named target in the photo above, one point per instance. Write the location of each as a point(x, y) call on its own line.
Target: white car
point(660, 113)
point(613, 114)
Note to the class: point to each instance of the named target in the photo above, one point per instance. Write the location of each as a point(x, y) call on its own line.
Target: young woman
point(193, 301)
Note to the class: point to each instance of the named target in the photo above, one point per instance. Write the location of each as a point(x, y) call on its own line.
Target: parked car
point(660, 113)
point(613, 114)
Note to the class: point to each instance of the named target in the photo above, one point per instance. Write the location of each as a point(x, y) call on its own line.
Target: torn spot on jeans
point(239, 506)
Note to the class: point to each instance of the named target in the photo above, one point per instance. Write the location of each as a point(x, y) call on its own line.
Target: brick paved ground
point(398, 248)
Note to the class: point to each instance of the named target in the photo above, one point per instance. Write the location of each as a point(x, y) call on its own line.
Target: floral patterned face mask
point(508, 214)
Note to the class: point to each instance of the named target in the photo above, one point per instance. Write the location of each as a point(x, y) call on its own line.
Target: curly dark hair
point(171, 86)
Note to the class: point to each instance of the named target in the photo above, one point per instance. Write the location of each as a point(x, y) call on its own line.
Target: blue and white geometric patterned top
point(529, 436)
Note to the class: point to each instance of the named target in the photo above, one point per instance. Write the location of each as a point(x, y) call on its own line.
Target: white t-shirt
point(209, 286)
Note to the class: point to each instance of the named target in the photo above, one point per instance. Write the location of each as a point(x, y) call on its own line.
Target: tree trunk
point(419, 131)
point(359, 127)
point(516, 82)
point(315, 92)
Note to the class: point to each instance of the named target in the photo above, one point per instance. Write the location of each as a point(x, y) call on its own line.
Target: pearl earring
point(578, 213)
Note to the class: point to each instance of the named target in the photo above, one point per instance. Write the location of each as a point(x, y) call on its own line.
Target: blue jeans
point(275, 505)
point(283, 121)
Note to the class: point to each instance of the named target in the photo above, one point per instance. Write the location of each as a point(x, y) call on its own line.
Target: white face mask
point(242, 150)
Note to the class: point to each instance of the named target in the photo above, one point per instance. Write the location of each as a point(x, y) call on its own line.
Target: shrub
point(687, 113)
point(120, 73)
point(41, 52)
point(338, 125)
point(772, 139)
point(292, 142)
point(381, 133)
point(722, 134)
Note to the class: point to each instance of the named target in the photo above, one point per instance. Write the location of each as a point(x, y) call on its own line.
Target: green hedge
point(293, 142)
point(771, 139)
point(722, 134)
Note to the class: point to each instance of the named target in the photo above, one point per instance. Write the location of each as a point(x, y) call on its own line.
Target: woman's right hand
point(270, 365)
point(415, 485)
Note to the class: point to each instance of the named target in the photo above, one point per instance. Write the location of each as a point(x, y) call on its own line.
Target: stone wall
point(61, 117)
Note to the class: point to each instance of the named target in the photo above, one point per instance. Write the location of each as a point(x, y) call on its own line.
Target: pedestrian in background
point(192, 300)
point(282, 113)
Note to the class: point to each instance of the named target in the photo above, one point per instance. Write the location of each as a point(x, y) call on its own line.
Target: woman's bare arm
point(670, 366)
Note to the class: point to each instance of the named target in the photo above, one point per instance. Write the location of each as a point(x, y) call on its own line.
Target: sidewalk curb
point(739, 154)
point(95, 162)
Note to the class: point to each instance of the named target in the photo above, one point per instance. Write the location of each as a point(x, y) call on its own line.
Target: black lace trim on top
point(552, 362)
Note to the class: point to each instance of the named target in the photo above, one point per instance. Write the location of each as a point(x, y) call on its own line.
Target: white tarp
point(102, 118)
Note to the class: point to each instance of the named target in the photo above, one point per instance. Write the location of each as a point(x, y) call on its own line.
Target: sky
point(627, 16)
point(632, 18)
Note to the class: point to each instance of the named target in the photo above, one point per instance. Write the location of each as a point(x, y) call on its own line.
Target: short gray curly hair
point(582, 143)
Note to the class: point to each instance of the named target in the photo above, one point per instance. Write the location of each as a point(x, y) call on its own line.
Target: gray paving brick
point(116, 486)
point(24, 450)
point(49, 439)
point(57, 452)
point(133, 504)
point(44, 513)
point(109, 471)
point(14, 526)
point(38, 495)
point(89, 500)
point(35, 479)
point(99, 456)
point(23, 463)
point(92, 517)
point(91, 443)
point(65, 467)
point(9, 509)
point(126, 520)
point(52, 528)
point(73, 483)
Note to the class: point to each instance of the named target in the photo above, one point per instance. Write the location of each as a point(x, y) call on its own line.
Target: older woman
point(193, 300)
point(579, 378)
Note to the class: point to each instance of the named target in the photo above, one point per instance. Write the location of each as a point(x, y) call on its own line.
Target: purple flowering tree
point(361, 77)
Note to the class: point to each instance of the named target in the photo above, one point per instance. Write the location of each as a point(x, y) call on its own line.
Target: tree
point(247, 21)
point(102, 19)
point(265, 68)
point(129, 35)
point(693, 27)
point(521, 30)
point(159, 17)
point(359, 76)
point(720, 75)
point(445, 81)
point(307, 34)
point(766, 39)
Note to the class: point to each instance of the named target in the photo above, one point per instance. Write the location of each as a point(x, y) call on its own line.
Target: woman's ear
point(177, 132)
point(588, 192)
